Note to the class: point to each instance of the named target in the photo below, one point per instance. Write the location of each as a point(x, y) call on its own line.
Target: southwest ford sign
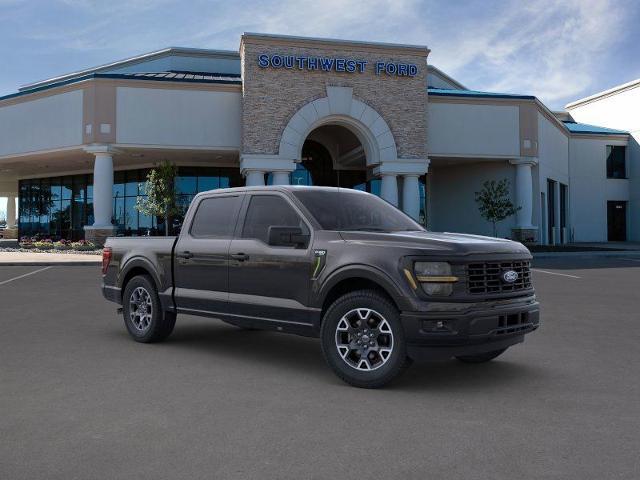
point(333, 64)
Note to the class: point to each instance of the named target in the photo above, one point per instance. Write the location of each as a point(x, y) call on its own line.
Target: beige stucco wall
point(467, 129)
point(271, 96)
point(54, 121)
point(178, 117)
point(451, 195)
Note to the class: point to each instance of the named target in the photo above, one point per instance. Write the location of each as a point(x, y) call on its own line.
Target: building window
point(616, 161)
point(55, 207)
point(60, 207)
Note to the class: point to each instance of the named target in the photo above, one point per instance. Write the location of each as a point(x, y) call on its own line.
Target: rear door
point(201, 266)
point(270, 283)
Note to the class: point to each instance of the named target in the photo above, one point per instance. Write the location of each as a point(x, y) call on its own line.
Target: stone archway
point(340, 108)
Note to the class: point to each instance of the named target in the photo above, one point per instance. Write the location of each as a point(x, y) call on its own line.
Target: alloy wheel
point(140, 309)
point(364, 339)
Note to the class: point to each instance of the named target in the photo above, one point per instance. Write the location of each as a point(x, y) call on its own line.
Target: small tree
point(494, 202)
point(160, 191)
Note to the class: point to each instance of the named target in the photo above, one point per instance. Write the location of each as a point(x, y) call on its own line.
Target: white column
point(103, 190)
point(11, 212)
point(102, 194)
point(410, 170)
point(524, 193)
point(254, 178)
point(389, 188)
point(411, 196)
point(280, 178)
point(253, 166)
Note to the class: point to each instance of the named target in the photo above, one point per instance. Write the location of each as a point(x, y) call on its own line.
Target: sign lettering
point(331, 64)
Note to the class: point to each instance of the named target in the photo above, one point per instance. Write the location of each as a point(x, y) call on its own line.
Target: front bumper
point(447, 330)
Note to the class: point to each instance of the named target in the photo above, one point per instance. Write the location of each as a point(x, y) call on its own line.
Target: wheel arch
point(135, 267)
point(359, 278)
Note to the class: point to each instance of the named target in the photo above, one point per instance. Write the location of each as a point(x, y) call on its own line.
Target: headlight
point(435, 277)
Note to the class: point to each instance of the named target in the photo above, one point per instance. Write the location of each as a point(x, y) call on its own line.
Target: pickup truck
point(343, 265)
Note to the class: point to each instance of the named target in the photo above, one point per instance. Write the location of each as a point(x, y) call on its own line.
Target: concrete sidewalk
point(33, 258)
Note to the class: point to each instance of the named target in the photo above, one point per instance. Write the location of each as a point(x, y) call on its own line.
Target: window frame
point(242, 218)
point(625, 159)
point(190, 217)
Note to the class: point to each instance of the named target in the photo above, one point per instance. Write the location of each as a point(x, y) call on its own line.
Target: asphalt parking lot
point(78, 399)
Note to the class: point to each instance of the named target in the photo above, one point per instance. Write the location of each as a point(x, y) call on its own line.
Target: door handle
point(241, 257)
point(185, 254)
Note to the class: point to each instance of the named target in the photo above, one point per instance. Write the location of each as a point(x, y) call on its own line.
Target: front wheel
point(363, 339)
point(144, 317)
point(481, 357)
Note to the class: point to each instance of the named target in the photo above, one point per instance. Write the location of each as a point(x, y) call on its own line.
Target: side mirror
point(287, 237)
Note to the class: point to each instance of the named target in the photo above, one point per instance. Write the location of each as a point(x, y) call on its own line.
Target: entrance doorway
point(617, 221)
point(333, 156)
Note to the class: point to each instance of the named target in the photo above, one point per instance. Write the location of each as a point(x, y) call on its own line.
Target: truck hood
point(437, 243)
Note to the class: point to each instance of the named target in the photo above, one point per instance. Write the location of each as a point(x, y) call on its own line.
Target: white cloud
point(547, 48)
point(544, 47)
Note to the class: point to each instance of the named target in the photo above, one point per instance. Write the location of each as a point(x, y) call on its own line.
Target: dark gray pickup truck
point(377, 288)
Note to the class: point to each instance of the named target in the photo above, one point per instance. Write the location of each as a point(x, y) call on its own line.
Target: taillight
point(106, 259)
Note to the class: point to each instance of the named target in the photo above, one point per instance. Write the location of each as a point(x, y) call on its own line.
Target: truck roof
point(282, 188)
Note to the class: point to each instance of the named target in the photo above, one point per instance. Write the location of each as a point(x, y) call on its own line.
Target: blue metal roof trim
point(585, 128)
point(444, 92)
point(226, 79)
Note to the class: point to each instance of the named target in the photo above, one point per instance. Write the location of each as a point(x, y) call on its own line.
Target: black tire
point(481, 357)
point(158, 325)
point(387, 368)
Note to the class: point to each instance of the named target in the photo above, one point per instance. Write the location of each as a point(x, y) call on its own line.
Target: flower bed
point(52, 251)
point(47, 245)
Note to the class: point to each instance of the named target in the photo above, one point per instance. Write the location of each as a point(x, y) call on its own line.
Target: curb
point(617, 253)
point(50, 264)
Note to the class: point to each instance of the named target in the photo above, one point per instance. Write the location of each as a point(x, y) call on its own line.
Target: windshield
point(350, 210)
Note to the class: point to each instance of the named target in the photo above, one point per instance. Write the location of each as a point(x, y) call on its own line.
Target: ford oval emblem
point(509, 276)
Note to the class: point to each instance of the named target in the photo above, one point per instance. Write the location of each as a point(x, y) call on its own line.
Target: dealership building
point(75, 150)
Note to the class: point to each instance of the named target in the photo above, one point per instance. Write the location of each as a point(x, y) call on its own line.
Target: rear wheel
point(363, 340)
point(144, 317)
point(481, 357)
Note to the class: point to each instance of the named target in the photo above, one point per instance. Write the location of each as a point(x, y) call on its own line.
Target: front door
point(270, 283)
point(201, 268)
point(617, 221)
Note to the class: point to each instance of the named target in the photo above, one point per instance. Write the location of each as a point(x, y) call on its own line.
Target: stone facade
point(271, 96)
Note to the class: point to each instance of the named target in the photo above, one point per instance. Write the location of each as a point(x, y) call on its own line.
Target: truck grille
point(485, 277)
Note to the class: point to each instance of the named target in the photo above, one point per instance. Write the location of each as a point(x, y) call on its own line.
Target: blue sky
point(557, 50)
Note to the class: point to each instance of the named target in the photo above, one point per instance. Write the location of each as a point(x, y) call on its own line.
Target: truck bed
point(129, 253)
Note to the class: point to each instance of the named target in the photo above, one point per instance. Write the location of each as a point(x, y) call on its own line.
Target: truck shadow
point(455, 376)
point(250, 346)
point(291, 353)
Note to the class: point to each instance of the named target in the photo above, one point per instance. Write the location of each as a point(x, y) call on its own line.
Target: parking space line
point(632, 259)
point(555, 273)
point(25, 275)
